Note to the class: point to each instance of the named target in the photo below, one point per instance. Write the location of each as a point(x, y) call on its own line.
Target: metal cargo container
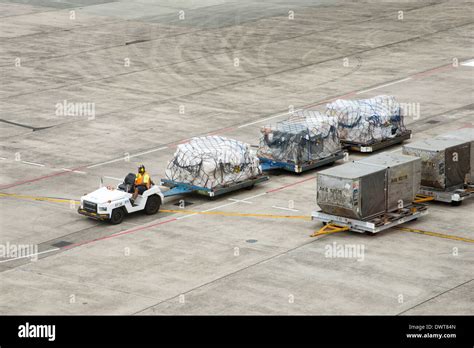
point(403, 177)
point(444, 162)
point(464, 134)
point(353, 190)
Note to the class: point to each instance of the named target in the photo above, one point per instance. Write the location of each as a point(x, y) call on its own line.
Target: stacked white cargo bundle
point(367, 188)
point(445, 162)
point(213, 162)
point(367, 121)
point(464, 134)
point(305, 137)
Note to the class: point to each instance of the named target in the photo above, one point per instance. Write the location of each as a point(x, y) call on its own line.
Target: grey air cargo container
point(445, 162)
point(402, 180)
point(464, 134)
point(369, 197)
point(353, 190)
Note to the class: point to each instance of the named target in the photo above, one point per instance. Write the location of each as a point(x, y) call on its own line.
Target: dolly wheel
point(117, 216)
point(152, 205)
point(250, 187)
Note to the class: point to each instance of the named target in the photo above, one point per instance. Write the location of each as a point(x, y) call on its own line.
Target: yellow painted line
point(223, 213)
point(316, 234)
point(39, 198)
point(436, 234)
point(59, 200)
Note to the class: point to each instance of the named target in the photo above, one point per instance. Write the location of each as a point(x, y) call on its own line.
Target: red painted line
point(141, 228)
point(416, 76)
point(432, 71)
point(225, 130)
point(18, 183)
point(220, 131)
point(351, 94)
point(118, 234)
point(293, 184)
point(179, 142)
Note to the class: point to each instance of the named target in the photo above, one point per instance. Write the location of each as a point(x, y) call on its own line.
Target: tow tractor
point(113, 203)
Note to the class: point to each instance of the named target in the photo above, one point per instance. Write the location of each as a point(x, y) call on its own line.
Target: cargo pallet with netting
point(269, 164)
point(180, 188)
point(455, 196)
point(368, 125)
point(376, 144)
point(383, 221)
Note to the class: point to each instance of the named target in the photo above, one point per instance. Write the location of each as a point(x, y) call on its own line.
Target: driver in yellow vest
point(142, 183)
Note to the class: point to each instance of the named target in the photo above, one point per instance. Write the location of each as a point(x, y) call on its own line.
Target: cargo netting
point(367, 121)
point(304, 137)
point(212, 162)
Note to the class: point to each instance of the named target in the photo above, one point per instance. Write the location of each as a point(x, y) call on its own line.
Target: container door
point(457, 164)
point(372, 194)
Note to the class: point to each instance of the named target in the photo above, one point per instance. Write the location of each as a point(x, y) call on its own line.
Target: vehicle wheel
point(250, 187)
point(456, 203)
point(117, 216)
point(152, 205)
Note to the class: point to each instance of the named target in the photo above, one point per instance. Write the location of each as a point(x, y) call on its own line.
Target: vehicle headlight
point(102, 208)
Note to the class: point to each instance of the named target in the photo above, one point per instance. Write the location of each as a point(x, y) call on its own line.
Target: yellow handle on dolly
point(422, 198)
point(330, 228)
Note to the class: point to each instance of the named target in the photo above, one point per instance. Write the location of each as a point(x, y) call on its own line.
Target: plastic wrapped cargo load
point(445, 163)
point(366, 121)
point(212, 162)
point(306, 136)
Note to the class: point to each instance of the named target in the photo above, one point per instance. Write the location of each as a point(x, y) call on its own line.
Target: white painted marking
point(226, 205)
point(469, 62)
point(284, 208)
point(260, 194)
point(239, 201)
point(185, 216)
point(74, 171)
point(220, 206)
point(385, 85)
point(123, 158)
point(149, 151)
point(111, 177)
point(27, 256)
point(33, 163)
point(3, 158)
point(264, 119)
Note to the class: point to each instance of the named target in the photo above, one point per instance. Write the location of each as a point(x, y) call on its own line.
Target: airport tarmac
point(155, 74)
